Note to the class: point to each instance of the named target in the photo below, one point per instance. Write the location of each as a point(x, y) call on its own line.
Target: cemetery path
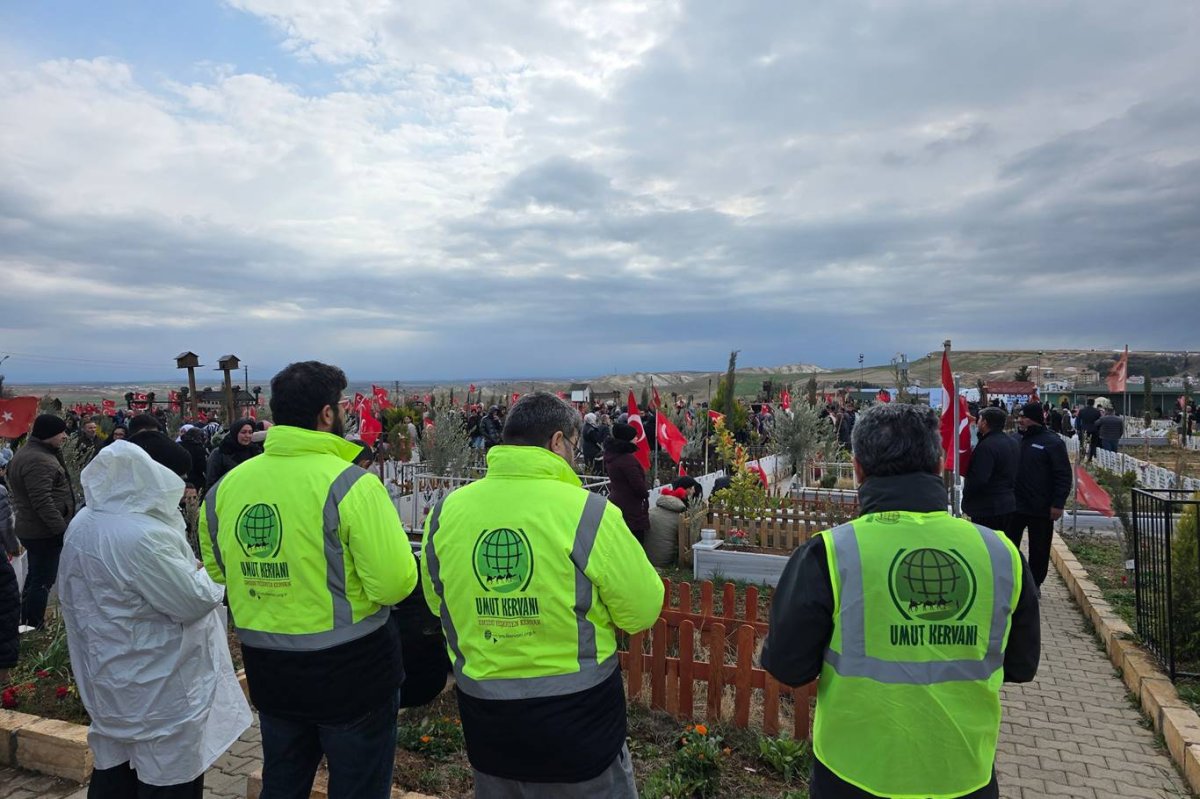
point(1069, 733)
point(1072, 732)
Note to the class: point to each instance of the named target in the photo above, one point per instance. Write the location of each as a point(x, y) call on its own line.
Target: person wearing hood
point(662, 541)
point(236, 448)
point(145, 630)
point(627, 479)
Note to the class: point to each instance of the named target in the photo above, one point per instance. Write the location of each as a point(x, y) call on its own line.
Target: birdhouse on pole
point(189, 361)
point(228, 364)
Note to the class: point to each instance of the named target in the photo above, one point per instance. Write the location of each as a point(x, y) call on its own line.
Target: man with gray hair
point(912, 618)
point(531, 576)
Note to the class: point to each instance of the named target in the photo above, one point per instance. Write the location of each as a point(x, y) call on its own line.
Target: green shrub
point(786, 756)
point(436, 738)
point(694, 770)
point(1185, 585)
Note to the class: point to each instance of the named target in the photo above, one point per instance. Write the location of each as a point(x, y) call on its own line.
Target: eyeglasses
point(576, 452)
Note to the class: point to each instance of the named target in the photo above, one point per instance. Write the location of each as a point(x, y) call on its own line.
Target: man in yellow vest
point(531, 576)
point(912, 619)
point(313, 555)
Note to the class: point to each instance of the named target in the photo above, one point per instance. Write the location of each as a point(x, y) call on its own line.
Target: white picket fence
point(1148, 474)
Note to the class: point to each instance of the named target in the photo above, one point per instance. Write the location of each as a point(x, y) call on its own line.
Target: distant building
point(581, 392)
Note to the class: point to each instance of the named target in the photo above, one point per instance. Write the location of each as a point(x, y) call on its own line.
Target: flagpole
point(954, 486)
point(657, 410)
point(1075, 484)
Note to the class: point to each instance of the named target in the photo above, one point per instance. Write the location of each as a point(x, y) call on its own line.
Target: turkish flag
point(670, 438)
point(110, 407)
point(1090, 494)
point(785, 400)
point(655, 400)
point(381, 395)
point(964, 423)
point(716, 417)
point(16, 416)
point(1117, 375)
point(643, 446)
point(369, 427)
point(252, 413)
point(515, 397)
point(884, 395)
point(756, 467)
point(359, 402)
point(471, 388)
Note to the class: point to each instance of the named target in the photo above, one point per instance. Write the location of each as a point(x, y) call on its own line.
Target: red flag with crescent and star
point(635, 420)
point(670, 438)
point(16, 416)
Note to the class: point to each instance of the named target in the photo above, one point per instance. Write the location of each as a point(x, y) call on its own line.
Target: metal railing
point(1160, 617)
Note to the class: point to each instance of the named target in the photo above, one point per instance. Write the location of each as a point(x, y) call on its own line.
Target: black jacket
point(627, 484)
point(1043, 473)
point(1110, 428)
point(1087, 419)
point(990, 481)
point(802, 608)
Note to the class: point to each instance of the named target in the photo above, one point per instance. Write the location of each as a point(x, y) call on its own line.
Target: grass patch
point(1105, 563)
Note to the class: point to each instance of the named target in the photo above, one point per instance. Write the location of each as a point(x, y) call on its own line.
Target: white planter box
point(730, 564)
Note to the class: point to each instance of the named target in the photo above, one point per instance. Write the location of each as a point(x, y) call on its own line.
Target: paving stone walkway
point(1072, 732)
point(1069, 733)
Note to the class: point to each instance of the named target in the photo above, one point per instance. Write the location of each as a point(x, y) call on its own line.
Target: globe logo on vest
point(503, 560)
point(932, 584)
point(259, 531)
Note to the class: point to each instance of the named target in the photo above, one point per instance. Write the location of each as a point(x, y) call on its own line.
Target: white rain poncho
point(144, 625)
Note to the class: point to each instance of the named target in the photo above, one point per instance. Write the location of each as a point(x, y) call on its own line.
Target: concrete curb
point(47, 746)
point(1173, 718)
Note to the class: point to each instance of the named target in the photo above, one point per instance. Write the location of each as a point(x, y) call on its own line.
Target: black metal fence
point(1165, 620)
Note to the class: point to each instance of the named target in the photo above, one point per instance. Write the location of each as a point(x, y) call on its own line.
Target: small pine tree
point(810, 390)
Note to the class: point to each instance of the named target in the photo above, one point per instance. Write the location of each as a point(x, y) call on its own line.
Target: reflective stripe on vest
point(853, 660)
point(591, 672)
point(345, 629)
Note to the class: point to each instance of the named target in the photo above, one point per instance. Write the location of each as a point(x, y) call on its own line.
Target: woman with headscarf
point(237, 447)
point(627, 479)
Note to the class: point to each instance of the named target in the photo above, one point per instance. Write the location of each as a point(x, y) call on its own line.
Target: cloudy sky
point(570, 187)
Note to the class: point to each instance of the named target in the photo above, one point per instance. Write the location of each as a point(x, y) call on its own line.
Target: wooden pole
point(195, 402)
point(228, 397)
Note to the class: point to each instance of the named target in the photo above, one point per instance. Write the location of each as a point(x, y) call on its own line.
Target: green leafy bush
point(787, 756)
point(1185, 585)
point(436, 738)
point(694, 770)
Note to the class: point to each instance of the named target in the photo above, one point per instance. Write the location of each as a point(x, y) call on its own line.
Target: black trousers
point(1093, 443)
point(998, 523)
point(1041, 529)
point(121, 782)
point(43, 571)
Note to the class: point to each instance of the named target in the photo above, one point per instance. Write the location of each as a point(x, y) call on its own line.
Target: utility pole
point(860, 373)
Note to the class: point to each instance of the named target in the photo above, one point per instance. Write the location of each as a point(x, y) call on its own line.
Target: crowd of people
point(521, 584)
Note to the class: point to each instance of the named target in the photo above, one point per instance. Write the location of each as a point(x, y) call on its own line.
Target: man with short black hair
point(314, 557)
point(531, 576)
point(990, 481)
point(1086, 423)
point(143, 421)
point(906, 613)
point(1044, 481)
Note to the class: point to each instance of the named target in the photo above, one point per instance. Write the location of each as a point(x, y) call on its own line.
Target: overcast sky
point(569, 187)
